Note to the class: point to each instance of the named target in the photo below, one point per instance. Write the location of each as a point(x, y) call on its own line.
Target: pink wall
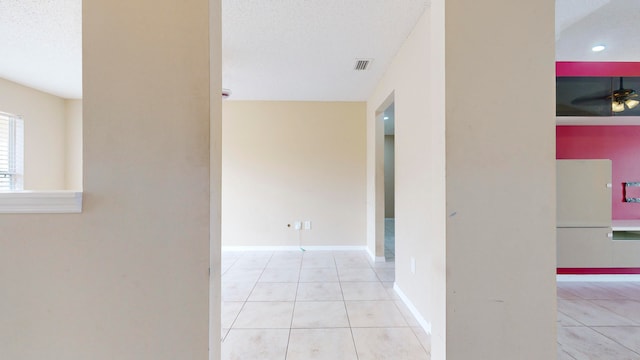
point(571, 68)
point(621, 144)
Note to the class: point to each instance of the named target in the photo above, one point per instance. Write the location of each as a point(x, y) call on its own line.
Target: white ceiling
point(306, 50)
point(581, 24)
point(293, 49)
point(42, 45)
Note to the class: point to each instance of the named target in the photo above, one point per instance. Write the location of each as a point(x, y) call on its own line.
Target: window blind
point(11, 152)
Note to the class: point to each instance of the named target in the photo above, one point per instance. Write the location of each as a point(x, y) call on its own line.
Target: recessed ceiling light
point(598, 48)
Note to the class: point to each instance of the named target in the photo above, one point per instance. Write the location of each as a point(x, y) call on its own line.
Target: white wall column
point(493, 85)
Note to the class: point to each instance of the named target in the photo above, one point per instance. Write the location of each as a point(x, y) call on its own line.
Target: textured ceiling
point(42, 45)
point(293, 49)
point(306, 50)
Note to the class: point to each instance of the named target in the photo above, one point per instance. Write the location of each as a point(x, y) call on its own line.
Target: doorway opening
point(389, 183)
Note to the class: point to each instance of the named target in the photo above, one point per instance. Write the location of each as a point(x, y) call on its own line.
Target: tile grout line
point(344, 303)
point(614, 340)
point(346, 263)
point(340, 284)
point(230, 266)
point(293, 312)
point(404, 317)
point(566, 353)
point(572, 318)
point(614, 311)
point(592, 298)
point(592, 302)
point(428, 352)
point(244, 303)
point(582, 322)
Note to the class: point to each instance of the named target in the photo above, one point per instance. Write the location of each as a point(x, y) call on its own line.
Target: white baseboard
point(375, 258)
point(594, 278)
point(293, 248)
point(421, 320)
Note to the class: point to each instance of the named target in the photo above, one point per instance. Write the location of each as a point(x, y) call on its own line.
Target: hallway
point(315, 305)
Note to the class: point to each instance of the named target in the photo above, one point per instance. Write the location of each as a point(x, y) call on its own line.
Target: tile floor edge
point(376, 259)
point(426, 325)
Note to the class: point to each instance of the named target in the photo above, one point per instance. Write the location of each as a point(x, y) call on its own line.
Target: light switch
point(307, 225)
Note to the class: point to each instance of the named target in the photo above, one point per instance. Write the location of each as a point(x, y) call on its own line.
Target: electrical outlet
point(413, 265)
point(297, 225)
point(307, 224)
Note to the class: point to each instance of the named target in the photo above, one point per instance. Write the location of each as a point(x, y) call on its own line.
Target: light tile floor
point(339, 305)
point(315, 305)
point(389, 239)
point(598, 320)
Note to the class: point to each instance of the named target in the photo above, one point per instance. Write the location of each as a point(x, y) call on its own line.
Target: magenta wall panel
point(568, 68)
point(620, 144)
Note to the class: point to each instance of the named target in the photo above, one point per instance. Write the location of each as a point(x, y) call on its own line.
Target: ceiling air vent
point(362, 64)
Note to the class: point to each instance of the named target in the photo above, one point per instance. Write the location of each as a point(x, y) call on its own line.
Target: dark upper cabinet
point(592, 96)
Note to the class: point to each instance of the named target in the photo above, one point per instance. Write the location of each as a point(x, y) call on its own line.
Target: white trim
point(625, 225)
point(607, 277)
point(372, 256)
point(40, 202)
point(293, 248)
point(377, 259)
point(421, 320)
point(597, 120)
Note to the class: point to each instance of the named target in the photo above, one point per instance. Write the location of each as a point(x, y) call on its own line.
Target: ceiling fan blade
point(568, 110)
point(587, 100)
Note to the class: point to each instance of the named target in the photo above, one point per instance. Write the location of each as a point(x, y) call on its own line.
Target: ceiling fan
point(621, 99)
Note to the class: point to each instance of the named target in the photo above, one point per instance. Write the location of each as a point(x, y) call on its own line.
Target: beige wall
point(500, 171)
point(53, 136)
point(389, 178)
point(485, 295)
point(288, 161)
point(44, 132)
point(129, 277)
point(73, 144)
point(419, 177)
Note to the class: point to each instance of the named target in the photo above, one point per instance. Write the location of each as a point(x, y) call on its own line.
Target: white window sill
point(41, 202)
